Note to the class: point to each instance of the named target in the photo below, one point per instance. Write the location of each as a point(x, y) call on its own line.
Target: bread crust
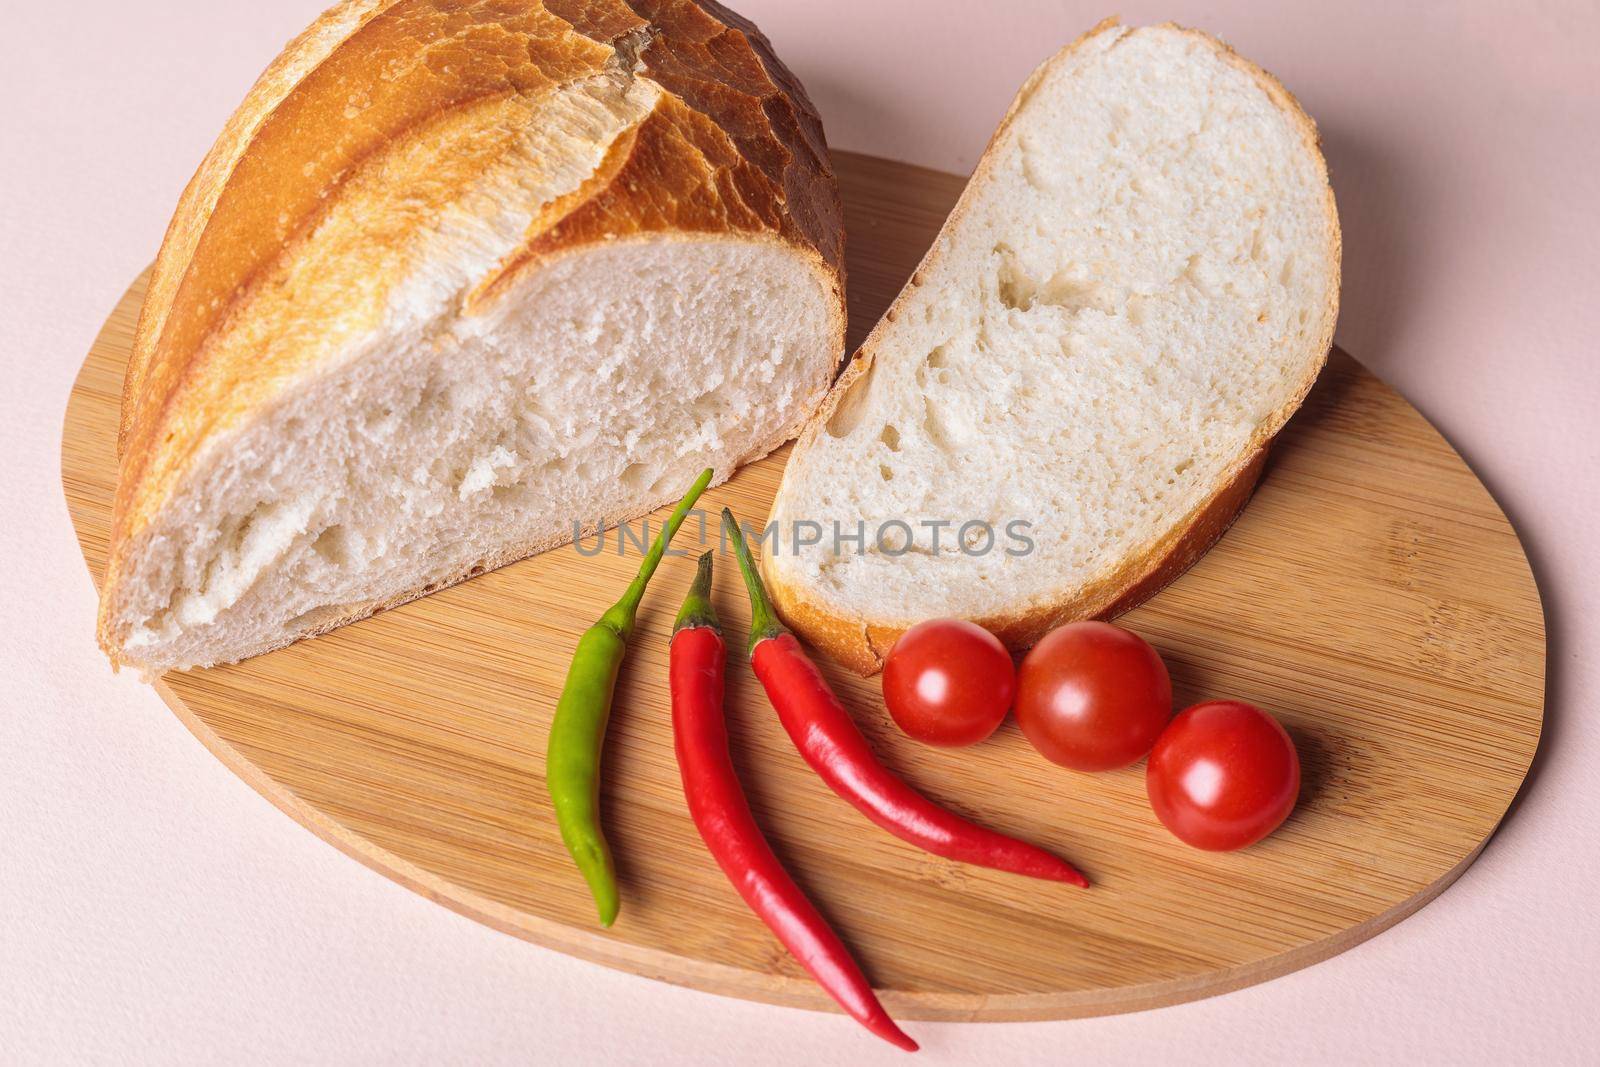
point(731, 146)
point(863, 643)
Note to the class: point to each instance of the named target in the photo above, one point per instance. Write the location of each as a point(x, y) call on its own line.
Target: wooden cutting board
point(1372, 596)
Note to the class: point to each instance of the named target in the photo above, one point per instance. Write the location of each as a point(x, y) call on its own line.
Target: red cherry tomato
point(948, 682)
point(1092, 696)
point(1224, 775)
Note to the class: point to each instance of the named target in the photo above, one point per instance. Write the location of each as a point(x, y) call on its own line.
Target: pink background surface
point(154, 908)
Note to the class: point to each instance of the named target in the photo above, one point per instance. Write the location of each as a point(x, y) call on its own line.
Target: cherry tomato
point(1224, 775)
point(1092, 696)
point(948, 682)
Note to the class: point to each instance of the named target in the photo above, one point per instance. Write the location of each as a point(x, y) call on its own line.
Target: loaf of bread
point(459, 279)
point(1078, 384)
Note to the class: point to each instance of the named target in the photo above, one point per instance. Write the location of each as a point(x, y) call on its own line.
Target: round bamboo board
point(1372, 595)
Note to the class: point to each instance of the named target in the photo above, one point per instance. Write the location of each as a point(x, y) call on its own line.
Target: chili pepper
point(832, 744)
point(572, 761)
point(722, 815)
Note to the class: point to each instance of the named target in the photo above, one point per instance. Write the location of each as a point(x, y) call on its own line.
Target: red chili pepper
point(722, 815)
point(830, 741)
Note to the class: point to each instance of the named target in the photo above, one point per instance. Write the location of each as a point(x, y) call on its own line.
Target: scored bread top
point(388, 120)
point(1136, 290)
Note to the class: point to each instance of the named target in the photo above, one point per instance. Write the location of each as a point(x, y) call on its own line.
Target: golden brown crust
point(387, 111)
point(862, 644)
point(200, 198)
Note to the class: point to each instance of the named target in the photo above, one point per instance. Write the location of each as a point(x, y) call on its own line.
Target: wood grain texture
point(1373, 596)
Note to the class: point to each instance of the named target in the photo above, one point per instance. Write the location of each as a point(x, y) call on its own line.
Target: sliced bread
point(1076, 388)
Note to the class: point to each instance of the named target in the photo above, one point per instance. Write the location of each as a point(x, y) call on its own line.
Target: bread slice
point(459, 279)
point(1136, 290)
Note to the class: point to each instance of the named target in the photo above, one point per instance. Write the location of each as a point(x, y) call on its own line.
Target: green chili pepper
point(572, 762)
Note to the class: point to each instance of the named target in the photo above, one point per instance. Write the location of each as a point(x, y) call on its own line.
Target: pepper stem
point(621, 615)
point(697, 609)
point(763, 620)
